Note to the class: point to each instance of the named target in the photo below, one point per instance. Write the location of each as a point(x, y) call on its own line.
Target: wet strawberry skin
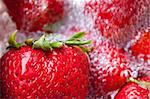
point(32, 73)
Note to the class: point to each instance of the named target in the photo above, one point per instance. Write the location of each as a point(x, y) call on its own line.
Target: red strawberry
point(27, 72)
point(135, 90)
point(109, 68)
point(142, 46)
point(33, 15)
point(115, 18)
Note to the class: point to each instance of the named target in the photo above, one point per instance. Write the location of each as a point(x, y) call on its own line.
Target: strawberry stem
point(77, 36)
point(46, 44)
point(134, 80)
point(77, 42)
point(12, 40)
point(29, 41)
point(56, 44)
point(85, 49)
point(42, 43)
point(142, 83)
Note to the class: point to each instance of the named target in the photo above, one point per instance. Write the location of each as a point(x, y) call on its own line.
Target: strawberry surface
point(39, 73)
point(134, 91)
point(33, 15)
point(109, 68)
point(117, 19)
point(141, 48)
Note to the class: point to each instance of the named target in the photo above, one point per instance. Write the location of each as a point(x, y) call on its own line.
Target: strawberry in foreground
point(41, 68)
point(142, 46)
point(136, 89)
point(28, 13)
point(109, 68)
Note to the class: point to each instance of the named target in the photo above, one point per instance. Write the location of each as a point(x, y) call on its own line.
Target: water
point(77, 20)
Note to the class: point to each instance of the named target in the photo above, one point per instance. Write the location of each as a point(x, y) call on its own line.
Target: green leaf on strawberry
point(45, 44)
point(45, 69)
point(12, 41)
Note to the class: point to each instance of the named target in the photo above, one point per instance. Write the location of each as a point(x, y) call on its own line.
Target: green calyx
point(76, 39)
point(12, 41)
point(144, 84)
point(46, 44)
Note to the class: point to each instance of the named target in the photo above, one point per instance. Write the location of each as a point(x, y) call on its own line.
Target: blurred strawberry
point(141, 48)
point(34, 15)
point(115, 18)
point(109, 68)
point(138, 89)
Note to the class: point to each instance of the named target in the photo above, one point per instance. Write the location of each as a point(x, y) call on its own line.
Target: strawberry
point(138, 89)
point(109, 68)
point(45, 69)
point(115, 19)
point(142, 46)
point(28, 13)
